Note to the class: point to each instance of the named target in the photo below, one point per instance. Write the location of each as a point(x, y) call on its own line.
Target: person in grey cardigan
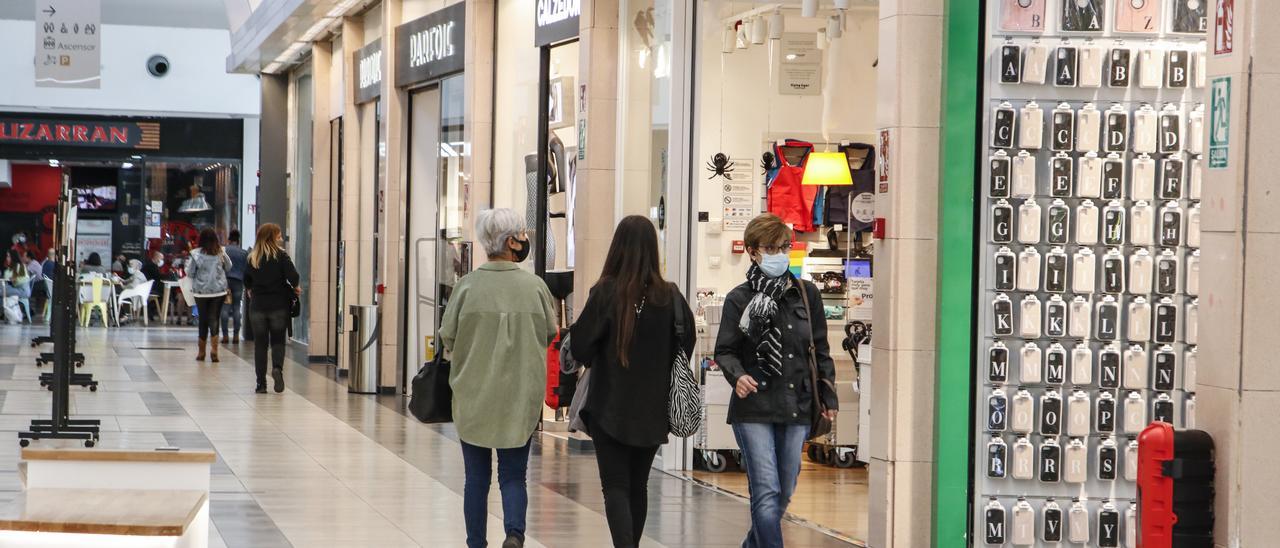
point(208, 271)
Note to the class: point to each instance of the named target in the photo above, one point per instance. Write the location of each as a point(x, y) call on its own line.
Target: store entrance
point(786, 124)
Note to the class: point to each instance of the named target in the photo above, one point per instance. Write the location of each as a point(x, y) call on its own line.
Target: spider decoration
point(720, 166)
point(767, 163)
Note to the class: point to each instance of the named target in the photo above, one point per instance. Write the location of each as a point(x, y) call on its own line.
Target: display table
point(164, 299)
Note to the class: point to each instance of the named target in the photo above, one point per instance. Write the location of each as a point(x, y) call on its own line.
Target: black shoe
point(513, 541)
point(277, 375)
point(261, 389)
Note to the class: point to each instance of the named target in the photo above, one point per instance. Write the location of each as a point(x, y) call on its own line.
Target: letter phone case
point(1083, 15)
point(1061, 175)
point(1058, 228)
point(1177, 69)
point(1001, 170)
point(1078, 409)
point(997, 457)
point(1108, 525)
point(1081, 319)
point(1002, 315)
point(1162, 409)
point(1002, 222)
point(1113, 272)
point(1144, 178)
point(1031, 124)
point(1109, 367)
point(1029, 314)
point(1190, 361)
point(1131, 460)
point(1078, 523)
point(1050, 461)
point(1005, 269)
point(1193, 273)
point(1138, 16)
point(1135, 367)
point(1035, 63)
point(1022, 415)
point(1105, 419)
point(1108, 322)
point(1089, 128)
point(1003, 119)
point(998, 363)
point(1144, 130)
point(1150, 68)
point(1141, 266)
point(1051, 522)
point(1010, 63)
point(1055, 271)
point(1195, 182)
point(993, 523)
point(997, 411)
point(1190, 16)
point(1164, 362)
point(1113, 177)
point(1192, 322)
point(1028, 270)
point(1029, 222)
point(1189, 412)
point(1023, 463)
point(1139, 329)
point(1113, 224)
point(1075, 461)
point(1067, 62)
point(1082, 369)
point(1117, 130)
point(1055, 317)
point(1084, 270)
point(1030, 361)
point(1167, 273)
point(1135, 413)
point(1108, 460)
point(1063, 128)
point(1193, 225)
point(1142, 224)
point(1120, 68)
point(1195, 130)
point(1090, 178)
point(1086, 223)
point(1170, 136)
point(1024, 175)
point(1089, 69)
point(1165, 329)
point(1131, 525)
point(1023, 531)
point(1171, 224)
point(1055, 367)
point(1022, 15)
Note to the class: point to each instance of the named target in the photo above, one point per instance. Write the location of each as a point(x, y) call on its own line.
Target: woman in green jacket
point(496, 327)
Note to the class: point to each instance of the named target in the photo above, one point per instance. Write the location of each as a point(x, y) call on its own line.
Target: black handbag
point(819, 424)
point(295, 303)
point(432, 398)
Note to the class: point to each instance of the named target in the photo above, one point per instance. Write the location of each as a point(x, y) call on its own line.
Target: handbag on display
point(432, 398)
point(819, 424)
point(684, 401)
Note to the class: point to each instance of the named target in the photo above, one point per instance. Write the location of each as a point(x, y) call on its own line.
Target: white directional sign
point(68, 43)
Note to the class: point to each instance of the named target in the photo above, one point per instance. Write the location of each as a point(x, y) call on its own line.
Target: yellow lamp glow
point(827, 169)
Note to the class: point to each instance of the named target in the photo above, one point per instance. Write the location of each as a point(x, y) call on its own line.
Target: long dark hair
point(209, 242)
point(633, 268)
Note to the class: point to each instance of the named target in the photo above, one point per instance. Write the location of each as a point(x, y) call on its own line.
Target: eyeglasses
point(771, 249)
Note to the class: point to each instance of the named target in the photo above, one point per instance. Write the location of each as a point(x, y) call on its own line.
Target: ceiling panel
point(205, 14)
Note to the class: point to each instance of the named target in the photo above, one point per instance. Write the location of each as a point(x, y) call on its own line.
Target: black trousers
point(268, 333)
point(210, 309)
point(624, 476)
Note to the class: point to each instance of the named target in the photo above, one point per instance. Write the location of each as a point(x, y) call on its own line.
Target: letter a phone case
point(1083, 15)
point(1022, 15)
point(1010, 64)
point(1138, 16)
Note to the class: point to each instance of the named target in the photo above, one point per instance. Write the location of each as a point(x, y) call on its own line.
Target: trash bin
point(366, 330)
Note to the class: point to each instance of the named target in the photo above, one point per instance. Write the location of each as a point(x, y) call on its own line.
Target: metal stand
point(63, 332)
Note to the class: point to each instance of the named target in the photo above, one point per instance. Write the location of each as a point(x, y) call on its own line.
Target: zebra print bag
point(684, 401)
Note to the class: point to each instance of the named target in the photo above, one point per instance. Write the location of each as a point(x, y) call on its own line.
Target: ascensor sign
point(556, 21)
point(80, 134)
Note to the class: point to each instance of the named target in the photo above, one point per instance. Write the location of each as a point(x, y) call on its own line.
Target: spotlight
point(833, 28)
point(777, 25)
point(759, 30)
point(809, 8)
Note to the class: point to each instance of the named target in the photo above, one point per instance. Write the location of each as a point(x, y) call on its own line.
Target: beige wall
point(909, 105)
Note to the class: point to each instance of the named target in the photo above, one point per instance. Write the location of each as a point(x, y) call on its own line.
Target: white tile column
point(319, 283)
point(596, 191)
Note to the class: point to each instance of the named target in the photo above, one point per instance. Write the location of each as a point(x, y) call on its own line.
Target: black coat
point(787, 399)
point(271, 283)
point(630, 403)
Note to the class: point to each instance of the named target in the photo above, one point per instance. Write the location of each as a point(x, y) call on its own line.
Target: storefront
point(429, 63)
point(142, 184)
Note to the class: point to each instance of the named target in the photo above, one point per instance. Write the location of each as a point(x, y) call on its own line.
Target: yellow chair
point(95, 303)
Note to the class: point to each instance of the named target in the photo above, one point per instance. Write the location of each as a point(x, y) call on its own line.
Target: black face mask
point(522, 253)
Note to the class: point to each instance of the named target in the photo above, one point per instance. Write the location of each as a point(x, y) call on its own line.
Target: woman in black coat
point(627, 336)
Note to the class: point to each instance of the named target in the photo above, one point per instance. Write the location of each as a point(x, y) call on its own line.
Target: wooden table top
point(101, 455)
point(103, 511)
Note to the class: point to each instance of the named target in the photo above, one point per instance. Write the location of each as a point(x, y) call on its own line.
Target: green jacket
point(497, 326)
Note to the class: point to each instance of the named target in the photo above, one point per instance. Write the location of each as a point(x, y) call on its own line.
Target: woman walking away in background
point(768, 326)
point(497, 327)
point(208, 272)
point(626, 335)
point(271, 281)
point(235, 284)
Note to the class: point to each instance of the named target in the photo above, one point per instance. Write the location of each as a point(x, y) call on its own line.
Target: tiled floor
point(316, 466)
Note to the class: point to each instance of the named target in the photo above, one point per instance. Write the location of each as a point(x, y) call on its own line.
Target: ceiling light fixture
point(809, 8)
point(777, 24)
point(727, 40)
point(759, 30)
point(833, 28)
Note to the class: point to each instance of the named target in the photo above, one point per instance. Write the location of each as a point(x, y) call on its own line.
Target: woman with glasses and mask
point(768, 325)
point(496, 327)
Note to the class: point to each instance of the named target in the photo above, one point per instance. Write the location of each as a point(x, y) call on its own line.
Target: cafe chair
point(94, 302)
point(136, 298)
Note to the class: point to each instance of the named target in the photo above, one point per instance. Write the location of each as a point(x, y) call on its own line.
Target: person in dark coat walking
point(626, 335)
point(270, 281)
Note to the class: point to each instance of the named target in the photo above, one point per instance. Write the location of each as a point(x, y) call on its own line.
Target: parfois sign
point(431, 47)
point(140, 135)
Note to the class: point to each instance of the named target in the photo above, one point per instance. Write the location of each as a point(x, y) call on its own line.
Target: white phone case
point(1078, 410)
point(1151, 68)
point(1089, 181)
point(1134, 369)
point(1192, 286)
point(1144, 130)
point(1192, 322)
point(1035, 63)
point(1082, 367)
point(1088, 128)
point(1029, 222)
point(1087, 223)
point(1141, 272)
point(1023, 464)
point(1024, 175)
point(1131, 459)
point(1022, 413)
point(1143, 182)
point(1139, 329)
point(1189, 415)
point(1193, 225)
point(1084, 271)
point(1195, 130)
point(1190, 361)
point(1075, 462)
point(1131, 526)
point(1135, 413)
point(1201, 69)
point(1029, 314)
point(1022, 532)
point(1030, 363)
point(1028, 271)
point(1078, 523)
point(1089, 71)
point(1195, 179)
point(1142, 224)
point(1031, 127)
point(1080, 313)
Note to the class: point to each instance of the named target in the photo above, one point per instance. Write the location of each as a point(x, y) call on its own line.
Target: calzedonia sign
point(368, 61)
point(555, 21)
point(37, 132)
point(431, 47)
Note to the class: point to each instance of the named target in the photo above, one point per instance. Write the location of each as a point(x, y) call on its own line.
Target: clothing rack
point(63, 332)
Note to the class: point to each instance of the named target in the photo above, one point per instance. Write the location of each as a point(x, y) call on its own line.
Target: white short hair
point(495, 226)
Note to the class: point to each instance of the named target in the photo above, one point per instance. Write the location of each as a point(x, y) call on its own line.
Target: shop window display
point(1090, 213)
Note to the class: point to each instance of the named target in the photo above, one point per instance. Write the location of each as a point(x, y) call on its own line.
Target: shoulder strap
point(681, 322)
point(814, 377)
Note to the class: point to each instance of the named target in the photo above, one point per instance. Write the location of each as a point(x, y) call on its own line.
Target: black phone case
point(1055, 274)
point(1067, 63)
point(1166, 323)
point(1062, 177)
point(1112, 179)
point(1171, 229)
point(1108, 529)
point(1163, 374)
point(1055, 320)
point(1001, 168)
point(1113, 276)
point(1162, 411)
point(1113, 228)
point(1187, 20)
point(1166, 276)
point(1059, 229)
point(1055, 371)
point(1050, 463)
point(1177, 69)
point(998, 365)
point(1011, 64)
point(1090, 18)
point(1107, 463)
point(1052, 525)
point(997, 413)
point(1002, 128)
point(997, 457)
point(1117, 136)
point(1003, 312)
point(1170, 133)
point(1109, 373)
point(1120, 71)
point(1108, 322)
point(994, 526)
point(1064, 131)
point(1171, 171)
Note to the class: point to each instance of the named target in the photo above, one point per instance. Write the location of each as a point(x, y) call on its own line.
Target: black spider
point(767, 162)
point(720, 165)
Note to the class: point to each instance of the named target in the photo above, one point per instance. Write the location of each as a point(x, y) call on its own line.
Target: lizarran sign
point(555, 21)
point(368, 61)
point(34, 131)
point(431, 47)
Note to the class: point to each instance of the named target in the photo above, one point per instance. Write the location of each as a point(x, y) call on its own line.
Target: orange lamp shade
point(827, 169)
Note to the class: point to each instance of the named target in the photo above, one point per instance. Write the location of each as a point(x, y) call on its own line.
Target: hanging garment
point(788, 198)
point(862, 167)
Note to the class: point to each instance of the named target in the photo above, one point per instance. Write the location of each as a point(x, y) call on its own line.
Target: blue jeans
point(513, 468)
point(231, 312)
point(771, 456)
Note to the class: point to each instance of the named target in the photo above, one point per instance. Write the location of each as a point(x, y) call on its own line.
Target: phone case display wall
point(1088, 314)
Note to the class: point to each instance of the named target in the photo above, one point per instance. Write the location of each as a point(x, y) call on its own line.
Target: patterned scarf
point(757, 319)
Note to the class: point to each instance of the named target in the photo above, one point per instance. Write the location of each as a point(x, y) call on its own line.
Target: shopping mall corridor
point(315, 466)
